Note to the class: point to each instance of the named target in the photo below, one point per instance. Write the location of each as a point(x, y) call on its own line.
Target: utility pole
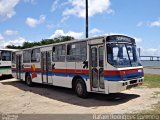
point(139, 50)
point(86, 18)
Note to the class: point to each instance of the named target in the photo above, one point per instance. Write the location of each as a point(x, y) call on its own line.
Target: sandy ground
point(17, 97)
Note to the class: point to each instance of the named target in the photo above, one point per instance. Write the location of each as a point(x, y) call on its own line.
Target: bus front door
point(46, 67)
point(96, 68)
point(18, 66)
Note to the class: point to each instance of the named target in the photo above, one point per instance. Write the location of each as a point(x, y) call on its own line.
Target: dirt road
point(16, 97)
point(151, 71)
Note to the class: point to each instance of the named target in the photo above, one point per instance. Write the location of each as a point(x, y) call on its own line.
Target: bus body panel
point(98, 74)
point(5, 68)
point(5, 61)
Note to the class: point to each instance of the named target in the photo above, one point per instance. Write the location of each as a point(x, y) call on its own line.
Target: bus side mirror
point(23, 66)
point(53, 66)
point(85, 64)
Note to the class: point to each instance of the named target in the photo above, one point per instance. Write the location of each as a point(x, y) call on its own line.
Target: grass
point(152, 80)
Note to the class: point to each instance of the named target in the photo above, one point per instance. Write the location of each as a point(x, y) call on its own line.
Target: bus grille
point(133, 81)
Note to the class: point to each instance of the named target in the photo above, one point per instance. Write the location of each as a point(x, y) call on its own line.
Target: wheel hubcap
point(79, 89)
point(28, 80)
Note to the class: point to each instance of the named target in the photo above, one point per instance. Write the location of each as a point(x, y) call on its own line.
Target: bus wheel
point(80, 88)
point(29, 80)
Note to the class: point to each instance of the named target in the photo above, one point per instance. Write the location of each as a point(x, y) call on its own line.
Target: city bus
point(5, 61)
point(104, 64)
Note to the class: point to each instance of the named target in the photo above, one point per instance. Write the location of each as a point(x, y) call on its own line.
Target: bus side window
point(27, 56)
point(59, 53)
point(35, 55)
point(68, 49)
point(53, 53)
point(76, 52)
point(13, 57)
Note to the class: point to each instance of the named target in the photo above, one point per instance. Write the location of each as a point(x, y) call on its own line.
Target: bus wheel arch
point(79, 86)
point(28, 79)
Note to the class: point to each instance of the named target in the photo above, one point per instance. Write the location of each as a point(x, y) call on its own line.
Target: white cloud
point(10, 32)
point(58, 33)
point(138, 40)
point(1, 37)
point(54, 5)
point(95, 7)
point(64, 19)
point(150, 51)
point(4, 41)
point(7, 9)
point(32, 22)
point(18, 41)
point(42, 18)
point(140, 24)
point(2, 44)
point(94, 31)
point(155, 23)
point(29, 1)
point(50, 26)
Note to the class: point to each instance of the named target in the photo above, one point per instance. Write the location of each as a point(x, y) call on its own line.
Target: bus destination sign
point(120, 38)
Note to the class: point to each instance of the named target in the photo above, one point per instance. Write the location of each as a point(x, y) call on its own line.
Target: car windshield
point(122, 55)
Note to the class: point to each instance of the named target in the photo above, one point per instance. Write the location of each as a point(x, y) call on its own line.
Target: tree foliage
point(42, 42)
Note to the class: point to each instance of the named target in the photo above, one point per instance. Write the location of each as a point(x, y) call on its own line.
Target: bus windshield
point(122, 55)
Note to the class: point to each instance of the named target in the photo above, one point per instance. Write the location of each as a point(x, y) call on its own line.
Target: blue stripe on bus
point(112, 78)
point(135, 74)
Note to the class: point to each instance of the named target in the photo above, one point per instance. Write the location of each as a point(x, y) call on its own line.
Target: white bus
point(105, 64)
point(5, 61)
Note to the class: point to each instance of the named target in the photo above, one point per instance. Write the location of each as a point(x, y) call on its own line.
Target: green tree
point(42, 42)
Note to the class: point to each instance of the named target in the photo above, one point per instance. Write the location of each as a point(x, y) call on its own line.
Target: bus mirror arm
point(23, 66)
point(53, 66)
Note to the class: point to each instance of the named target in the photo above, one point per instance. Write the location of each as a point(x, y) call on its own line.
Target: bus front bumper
point(118, 86)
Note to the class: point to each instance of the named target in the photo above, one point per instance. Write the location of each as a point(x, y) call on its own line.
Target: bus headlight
point(140, 70)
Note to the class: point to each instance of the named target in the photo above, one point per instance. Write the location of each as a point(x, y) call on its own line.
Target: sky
point(34, 20)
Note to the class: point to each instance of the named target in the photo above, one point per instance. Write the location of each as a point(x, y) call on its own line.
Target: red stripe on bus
point(131, 71)
point(111, 72)
point(83, 71)
point(72, 71)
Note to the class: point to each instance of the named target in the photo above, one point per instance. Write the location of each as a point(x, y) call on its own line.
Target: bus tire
point(80, 88)
point(29, 80)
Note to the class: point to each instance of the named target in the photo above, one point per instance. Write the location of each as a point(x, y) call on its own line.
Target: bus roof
point(67, 42)
point(81, 40)
point(7, 49)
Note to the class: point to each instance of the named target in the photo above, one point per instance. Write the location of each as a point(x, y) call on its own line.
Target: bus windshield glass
point(122, 55)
